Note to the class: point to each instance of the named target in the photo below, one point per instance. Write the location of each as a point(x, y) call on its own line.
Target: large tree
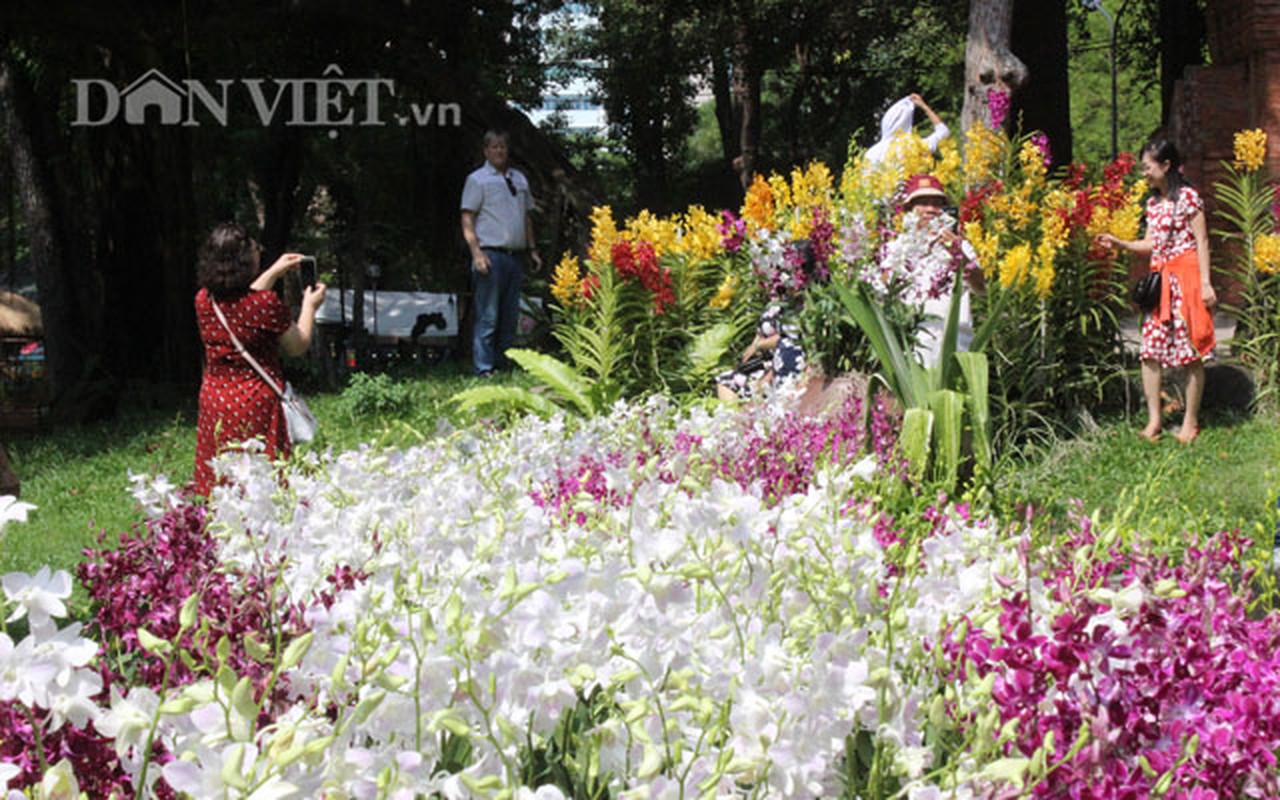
point(788, 82)
point(57, 245)
point(114, 213)
point(990, 66)
point(642, 54)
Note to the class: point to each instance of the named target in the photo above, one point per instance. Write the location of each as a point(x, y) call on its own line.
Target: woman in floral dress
point(1179, 331)
point(235, 402)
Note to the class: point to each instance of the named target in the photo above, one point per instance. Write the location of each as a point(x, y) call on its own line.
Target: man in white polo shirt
point(499, 232)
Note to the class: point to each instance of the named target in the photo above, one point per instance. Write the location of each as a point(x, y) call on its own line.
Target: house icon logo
point(154, 90)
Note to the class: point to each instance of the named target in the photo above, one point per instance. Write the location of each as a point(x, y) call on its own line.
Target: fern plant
point(618, 333)
point(595, 335)
point(568, 390)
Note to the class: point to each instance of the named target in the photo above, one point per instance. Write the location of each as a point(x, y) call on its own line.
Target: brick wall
point(1241, 89)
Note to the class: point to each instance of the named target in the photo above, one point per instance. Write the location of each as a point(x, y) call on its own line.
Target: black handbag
point(1146, 292)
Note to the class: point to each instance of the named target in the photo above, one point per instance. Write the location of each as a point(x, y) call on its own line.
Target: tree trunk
point(280, 170)
point(746, 94)
point(1040, 35)
point(351, 253)
point(147, 244)
point(795, 103)
point(68, 327)
point(278, 174)
point(988, 62)
point(723, 95)
point(648, 141)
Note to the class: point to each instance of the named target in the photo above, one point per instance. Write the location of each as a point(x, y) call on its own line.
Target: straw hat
point(923, 186)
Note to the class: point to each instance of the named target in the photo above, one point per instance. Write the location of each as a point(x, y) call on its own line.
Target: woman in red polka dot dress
point(235, 403)
point(1179, 331)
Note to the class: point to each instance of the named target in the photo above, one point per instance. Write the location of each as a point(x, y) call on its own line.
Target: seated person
point(775, 355)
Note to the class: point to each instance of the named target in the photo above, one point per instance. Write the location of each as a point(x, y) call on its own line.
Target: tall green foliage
point(940, 401)
point(1055, 357)
point(1249, 225)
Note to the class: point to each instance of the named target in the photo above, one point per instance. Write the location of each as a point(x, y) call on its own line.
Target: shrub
point(375, 395)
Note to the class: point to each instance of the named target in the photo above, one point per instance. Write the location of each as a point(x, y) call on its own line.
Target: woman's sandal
point(1150, 437)
point(1186, 439)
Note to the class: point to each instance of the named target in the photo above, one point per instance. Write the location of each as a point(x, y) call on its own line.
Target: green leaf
point(988, 326)
point(296, 650)
point(559, 376)
point(450, 720)
point(511, 397)
point(242, 699)
point(898, 370)
point(318, 745)
point(977, 380)
point(704, 351)
point(948, 411)
point(367, 705)
point(950, 333)
point(1010, 770)
point(917, 432)
point(187, 614)
point(152, 643)
point(178, 705)
point(255, 648)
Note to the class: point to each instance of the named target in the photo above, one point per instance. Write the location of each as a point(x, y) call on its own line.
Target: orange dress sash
point(1186, 267)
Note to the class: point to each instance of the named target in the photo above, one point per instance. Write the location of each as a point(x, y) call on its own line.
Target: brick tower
point(1241, 89)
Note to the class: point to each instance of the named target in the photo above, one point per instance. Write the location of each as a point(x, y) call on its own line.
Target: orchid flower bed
point(651, 603)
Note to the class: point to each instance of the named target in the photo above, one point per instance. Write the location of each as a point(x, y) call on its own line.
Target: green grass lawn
point(78, 480)
point(1228, 478)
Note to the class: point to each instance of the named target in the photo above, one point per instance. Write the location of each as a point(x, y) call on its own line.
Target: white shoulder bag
point(302, 423)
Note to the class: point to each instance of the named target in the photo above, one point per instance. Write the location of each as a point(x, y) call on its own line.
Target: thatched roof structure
point(19, 316)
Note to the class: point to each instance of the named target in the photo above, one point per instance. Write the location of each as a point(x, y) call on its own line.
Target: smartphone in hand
point(307, 271)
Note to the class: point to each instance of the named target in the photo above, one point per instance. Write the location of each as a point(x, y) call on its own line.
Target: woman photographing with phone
point(236, 304)
point(1178, 332)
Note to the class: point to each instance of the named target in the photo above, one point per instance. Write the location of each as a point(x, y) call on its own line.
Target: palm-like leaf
point(558, 376)
point(512, 397)
point(977, 380)
point(897, 368)
point(915, 441)
point(948, 414)
point(703, 353)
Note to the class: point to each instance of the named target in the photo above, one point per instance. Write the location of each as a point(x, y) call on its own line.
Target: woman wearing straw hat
point(928, 252)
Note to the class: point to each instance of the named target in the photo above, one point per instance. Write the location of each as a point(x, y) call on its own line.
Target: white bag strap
point(253, 362)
